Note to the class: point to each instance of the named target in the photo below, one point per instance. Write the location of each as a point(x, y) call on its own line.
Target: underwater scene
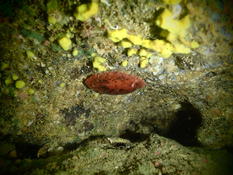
point(116, 87)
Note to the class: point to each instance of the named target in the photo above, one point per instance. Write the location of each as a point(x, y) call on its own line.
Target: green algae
point(33, 34)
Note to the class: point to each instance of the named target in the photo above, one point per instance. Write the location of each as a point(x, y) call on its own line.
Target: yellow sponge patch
point(132, 52)
point(117, 35)
point(98, 63)
point(86, 11)
point(135, 39)
point(65, 43)
point(194, 44)
point(180, 48)
point(124, 63)
point(172, 1)
point(144, 53)
point(143, 62)
point(125, 44)
point(162, 47)
point(177, 27)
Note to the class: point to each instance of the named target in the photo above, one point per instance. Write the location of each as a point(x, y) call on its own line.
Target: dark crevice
point(27, 150)
point(134, 136)
point(74, 145)
point(184, 127)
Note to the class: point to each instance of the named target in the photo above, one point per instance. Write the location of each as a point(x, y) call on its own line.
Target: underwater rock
point(114, 83)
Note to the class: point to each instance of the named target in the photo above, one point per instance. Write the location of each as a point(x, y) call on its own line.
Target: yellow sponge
point(143, 62)
point(180, 48)
point(65, 43)
point(135, 39)
point(177, 27)
point(132, 51)
point(117, 35)
point(98, 63)
point(125, 44)
point(124, 63)
point(86, 11)
point(172, 1)
point(144, 53)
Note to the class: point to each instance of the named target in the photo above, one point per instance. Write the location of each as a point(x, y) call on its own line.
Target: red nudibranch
point(114, 83)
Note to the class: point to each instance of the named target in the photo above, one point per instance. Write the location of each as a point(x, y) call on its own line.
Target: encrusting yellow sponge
point(172, 1)
point(124, 63)
point(176, 27)
point(132, 51)
point(117, 35)
point(143, 62)
point(160, 46)
point(98, 63)
point(86, 11)
point(125, 44)
point(65, 43)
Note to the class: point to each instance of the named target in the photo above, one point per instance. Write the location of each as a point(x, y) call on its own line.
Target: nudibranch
point(114, 83)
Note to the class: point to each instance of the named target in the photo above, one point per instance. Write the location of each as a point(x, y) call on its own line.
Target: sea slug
point(114, 83)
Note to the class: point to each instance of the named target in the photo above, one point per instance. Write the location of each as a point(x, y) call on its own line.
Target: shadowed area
point(184, 127)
